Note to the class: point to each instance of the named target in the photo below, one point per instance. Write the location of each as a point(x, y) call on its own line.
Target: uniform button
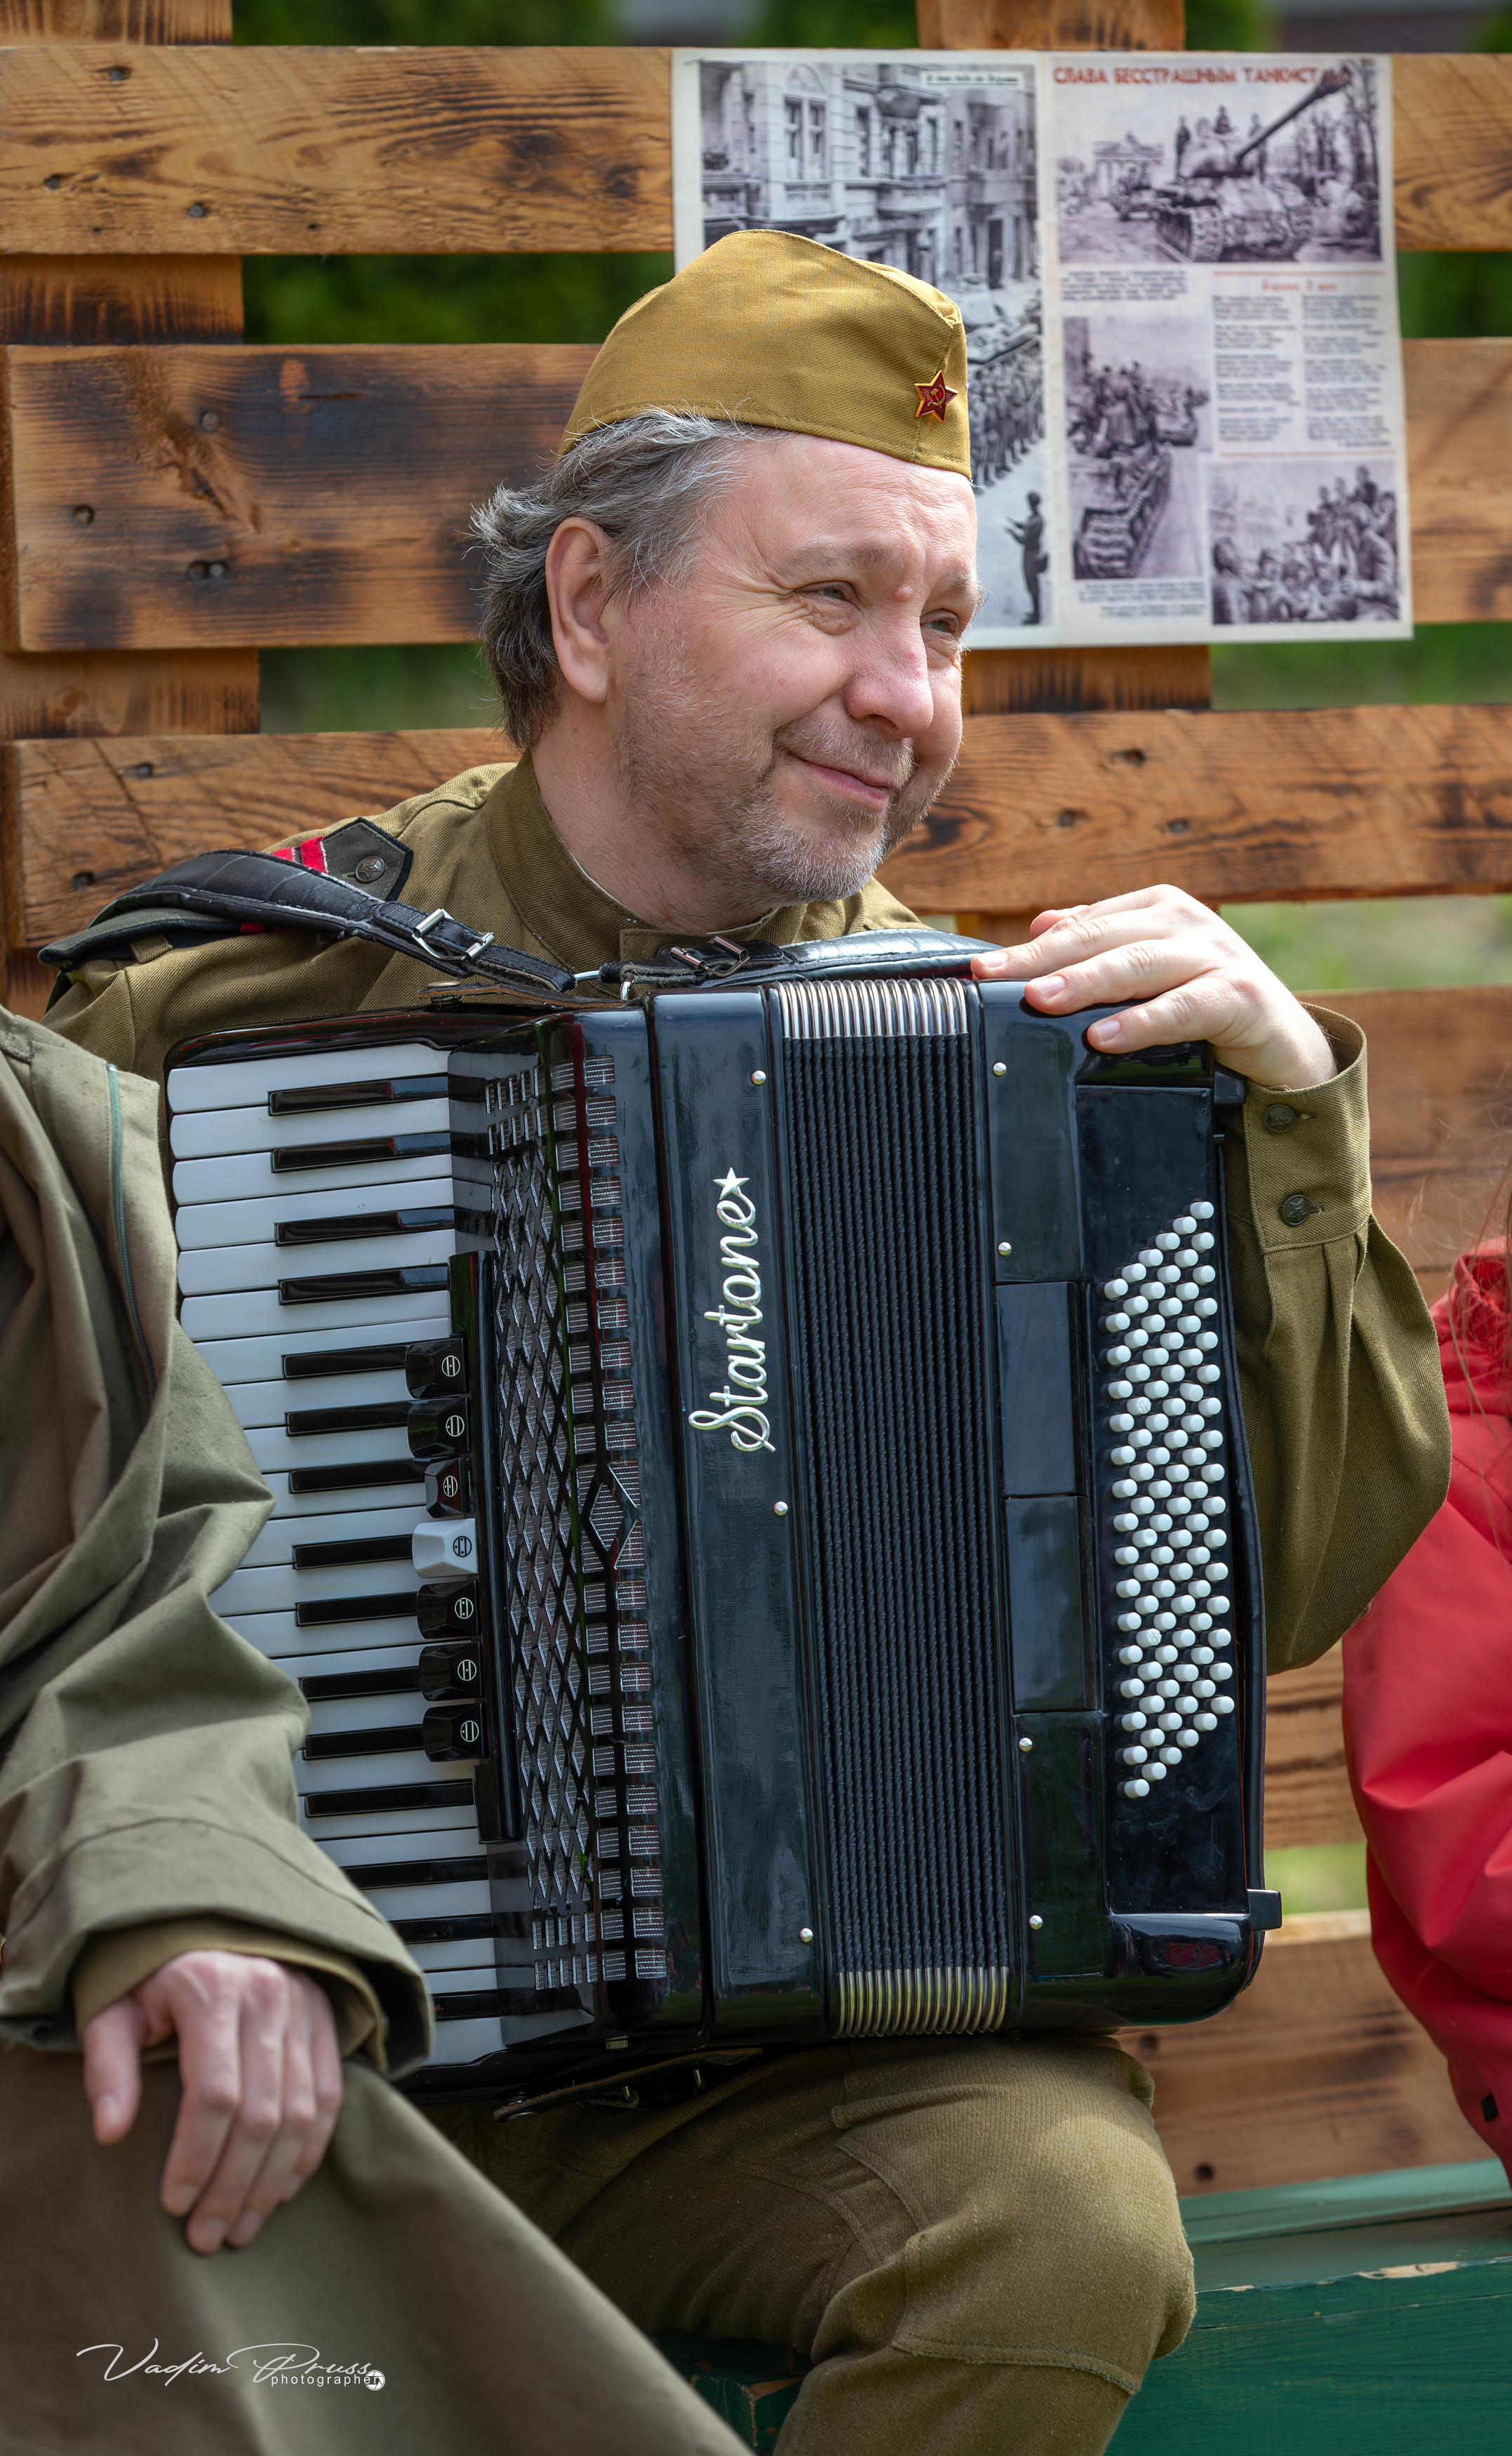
point(1279, 1118)
point(1295, 1208)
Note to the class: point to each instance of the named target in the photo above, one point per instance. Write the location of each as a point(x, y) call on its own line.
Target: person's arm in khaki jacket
point(1339, 1363)
point(154, 1878)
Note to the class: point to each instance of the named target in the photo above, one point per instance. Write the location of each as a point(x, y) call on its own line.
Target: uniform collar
point(568, 913)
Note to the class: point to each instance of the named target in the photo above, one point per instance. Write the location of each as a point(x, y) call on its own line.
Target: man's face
point(788, 711)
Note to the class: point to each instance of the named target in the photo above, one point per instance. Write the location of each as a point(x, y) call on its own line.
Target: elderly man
point(726, 632)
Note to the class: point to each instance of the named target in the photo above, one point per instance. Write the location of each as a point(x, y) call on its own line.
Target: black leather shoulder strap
point(223, 894)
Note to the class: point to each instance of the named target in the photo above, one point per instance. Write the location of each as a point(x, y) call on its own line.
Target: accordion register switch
point(761, 1512)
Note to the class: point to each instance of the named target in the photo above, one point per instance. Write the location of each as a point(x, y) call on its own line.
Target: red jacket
point(1428, 1727)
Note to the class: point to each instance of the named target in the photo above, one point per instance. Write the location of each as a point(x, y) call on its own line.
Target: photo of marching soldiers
point(913, 167)
point(1304, 542)
point(1134, 434)
point(1278, 176)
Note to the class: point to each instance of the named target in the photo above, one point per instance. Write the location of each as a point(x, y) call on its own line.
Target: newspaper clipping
point(1179, 296)
point(1230, 350)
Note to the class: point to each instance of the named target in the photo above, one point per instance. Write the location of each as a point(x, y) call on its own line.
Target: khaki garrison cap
point(777, 331)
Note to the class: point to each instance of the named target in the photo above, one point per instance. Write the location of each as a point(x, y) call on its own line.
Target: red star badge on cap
point(934, 399)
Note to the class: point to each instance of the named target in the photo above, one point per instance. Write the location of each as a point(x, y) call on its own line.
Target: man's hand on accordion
point(261, 2070)
point(1182, 973)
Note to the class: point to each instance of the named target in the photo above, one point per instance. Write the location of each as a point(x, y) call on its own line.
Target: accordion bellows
point(803, 1406)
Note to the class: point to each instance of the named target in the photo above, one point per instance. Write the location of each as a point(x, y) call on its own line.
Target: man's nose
point(891, 685)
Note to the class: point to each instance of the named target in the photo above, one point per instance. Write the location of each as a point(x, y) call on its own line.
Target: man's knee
point(1048, 2229)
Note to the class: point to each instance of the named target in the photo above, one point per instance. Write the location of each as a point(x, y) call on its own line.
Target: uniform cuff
point(1309, 1151)
point(111, 1965)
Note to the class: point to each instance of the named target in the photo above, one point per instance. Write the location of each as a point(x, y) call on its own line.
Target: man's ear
point(576, 589)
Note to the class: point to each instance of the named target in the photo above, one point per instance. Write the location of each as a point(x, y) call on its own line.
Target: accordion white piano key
point(281, 1587)
point(391, 1495)
point(401, 1659)
point(278, 1635)
point(383, 1768)
point(256, 1404)
point(260, 1314)
point(245, 1082)
point(466, 2042)
point(462, 1900)
point(220, 1269)
point(406, 1850)
point(246, 1176)
point(455, 1963)
point(382, 1713)
point(275, 1450)
point(236, 1361)
point(278, 1539)
point(442, 1824)
point(211, 1133)
point(253, 1221)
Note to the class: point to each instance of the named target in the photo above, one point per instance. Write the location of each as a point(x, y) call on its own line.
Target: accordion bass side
point(762, 1513)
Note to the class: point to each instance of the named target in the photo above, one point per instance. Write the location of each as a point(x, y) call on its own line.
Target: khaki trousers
point(978, 2245)
point(395, 2255)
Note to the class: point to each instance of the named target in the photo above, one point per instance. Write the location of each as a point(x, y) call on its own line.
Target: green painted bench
point(1368, 2317)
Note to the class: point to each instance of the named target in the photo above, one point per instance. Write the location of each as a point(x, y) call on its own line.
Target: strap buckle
point(435, 920)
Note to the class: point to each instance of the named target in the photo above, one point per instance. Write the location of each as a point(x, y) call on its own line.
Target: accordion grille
point(551, 1716)
point(892, 1379)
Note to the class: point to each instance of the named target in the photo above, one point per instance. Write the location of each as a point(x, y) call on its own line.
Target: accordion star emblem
point(934, 399)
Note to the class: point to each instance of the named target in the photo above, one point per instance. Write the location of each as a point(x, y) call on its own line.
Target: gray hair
point(648, 482)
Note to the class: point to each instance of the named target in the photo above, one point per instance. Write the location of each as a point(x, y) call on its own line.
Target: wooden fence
point(174, 500)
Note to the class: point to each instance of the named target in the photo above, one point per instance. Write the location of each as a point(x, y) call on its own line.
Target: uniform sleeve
point(1339, 1362)
point(113, 1965)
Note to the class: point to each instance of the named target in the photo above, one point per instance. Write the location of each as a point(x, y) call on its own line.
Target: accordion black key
point(762, 1513)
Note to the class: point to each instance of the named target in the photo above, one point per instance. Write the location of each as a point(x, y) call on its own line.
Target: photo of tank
point(1134, 433)
point(1304, 542)
point(1299, 184)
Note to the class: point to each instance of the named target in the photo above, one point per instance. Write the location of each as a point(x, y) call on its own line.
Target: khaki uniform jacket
point(1344, 1400)
point(146, 1800)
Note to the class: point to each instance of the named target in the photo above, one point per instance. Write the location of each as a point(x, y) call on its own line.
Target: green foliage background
point(454, 298)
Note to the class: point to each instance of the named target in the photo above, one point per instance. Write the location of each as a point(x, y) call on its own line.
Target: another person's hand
point(261, 2072)
point(1184, 976)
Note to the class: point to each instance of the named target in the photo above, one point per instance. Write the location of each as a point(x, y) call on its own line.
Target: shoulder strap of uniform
point(322, 885)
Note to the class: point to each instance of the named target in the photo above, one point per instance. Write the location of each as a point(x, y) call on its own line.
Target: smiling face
point(787, 712)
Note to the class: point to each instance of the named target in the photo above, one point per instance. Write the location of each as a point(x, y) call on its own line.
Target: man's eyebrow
point(830, 556)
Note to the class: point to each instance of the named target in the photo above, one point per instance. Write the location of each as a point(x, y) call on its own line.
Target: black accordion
point(762, 1516)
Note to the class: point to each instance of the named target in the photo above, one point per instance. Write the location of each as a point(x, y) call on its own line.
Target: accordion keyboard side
point(455, 1569)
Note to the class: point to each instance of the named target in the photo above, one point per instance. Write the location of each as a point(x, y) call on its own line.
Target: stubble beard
point(705, 769)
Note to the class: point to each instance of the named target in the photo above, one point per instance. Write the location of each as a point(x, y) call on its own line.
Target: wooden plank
point(115, 21)
point(1307, 1796)
point(1014, 681)
point(333, 151)
point(282, 498)
point(197, 496)
point(329, 152)
point(1236, 807)
point(1317, 2070)
point(116, 301)
point(1052, 25)
point(1441, 1108)
point(85, 820)
point(1459, 478)
point(1452, 125)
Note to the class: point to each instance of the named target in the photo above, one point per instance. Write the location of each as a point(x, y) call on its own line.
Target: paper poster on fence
point(1178, 288)
point(1231, 455)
